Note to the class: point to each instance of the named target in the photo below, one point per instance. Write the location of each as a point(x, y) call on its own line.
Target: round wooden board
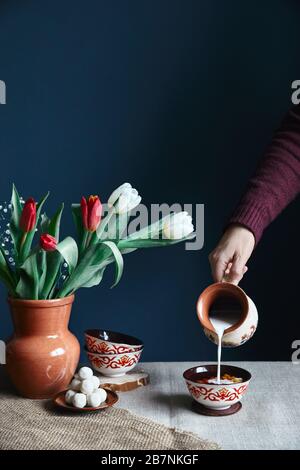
point(129, 381)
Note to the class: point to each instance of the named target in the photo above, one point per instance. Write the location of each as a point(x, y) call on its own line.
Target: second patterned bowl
point(114, 365)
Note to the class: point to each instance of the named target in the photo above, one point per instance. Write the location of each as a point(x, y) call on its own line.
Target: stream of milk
point(221, 320)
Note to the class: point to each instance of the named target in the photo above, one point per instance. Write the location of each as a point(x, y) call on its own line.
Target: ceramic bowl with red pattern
point(111, 342)
point(216, 396)
point(114, 365)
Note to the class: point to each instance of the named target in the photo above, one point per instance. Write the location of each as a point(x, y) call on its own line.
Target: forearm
point(276, 181)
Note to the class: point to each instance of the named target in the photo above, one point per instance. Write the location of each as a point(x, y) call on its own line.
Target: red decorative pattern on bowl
point(104, 347)
point(222, 394)
point(114, 364)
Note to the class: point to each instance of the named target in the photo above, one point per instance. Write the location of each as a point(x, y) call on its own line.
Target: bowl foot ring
point(203, 410)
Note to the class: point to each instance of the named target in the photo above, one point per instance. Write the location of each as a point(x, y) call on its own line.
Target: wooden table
point(269, 418)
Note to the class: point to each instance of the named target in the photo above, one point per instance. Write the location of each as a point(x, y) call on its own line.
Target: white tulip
point(116, 193)
point(178, 226)
point(124, 199)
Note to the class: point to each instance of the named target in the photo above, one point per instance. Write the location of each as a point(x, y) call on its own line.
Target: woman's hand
point(228, 260)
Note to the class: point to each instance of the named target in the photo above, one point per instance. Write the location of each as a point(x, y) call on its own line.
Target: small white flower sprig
point(84, 390)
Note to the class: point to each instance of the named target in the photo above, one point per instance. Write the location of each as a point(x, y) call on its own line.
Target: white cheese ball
point(93, 399)
point(69, 396)
point(85, 373)
point(96, 398)
point(75, 385)
point(96, 382)
point(87, 386)
point(102, 393)
point(79, 400)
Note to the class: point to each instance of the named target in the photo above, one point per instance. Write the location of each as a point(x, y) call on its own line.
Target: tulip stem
point(83, 241)
point(22, 243)
point(86, 240)
point(23, 239)
point(104, 226)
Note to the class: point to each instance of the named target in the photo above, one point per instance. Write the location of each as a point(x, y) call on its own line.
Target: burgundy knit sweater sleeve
point(276, 180)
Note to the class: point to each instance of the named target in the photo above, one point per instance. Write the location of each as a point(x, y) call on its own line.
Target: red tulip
point(91, 211)
point(28, 216)
point(47, 242)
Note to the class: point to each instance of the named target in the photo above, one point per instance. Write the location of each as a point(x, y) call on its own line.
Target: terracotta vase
point(43, 354)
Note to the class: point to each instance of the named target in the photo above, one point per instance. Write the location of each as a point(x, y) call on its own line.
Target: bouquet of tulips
point(49, 268)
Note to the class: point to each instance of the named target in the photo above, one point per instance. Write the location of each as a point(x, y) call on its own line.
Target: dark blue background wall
point(179, 98)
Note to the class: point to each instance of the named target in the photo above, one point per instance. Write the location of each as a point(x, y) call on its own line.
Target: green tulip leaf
point(76, 212)
point(94, 259)
point(28, 285)
point(42, 268)
point(117, 228)
point(128, 243)
point(103, 227)
point(5, 274)
point(118, 260)
point(16, 206)
point(69, 251)
point(95, 276)
point(92, 276)
point(54, 261)
point(125, 251)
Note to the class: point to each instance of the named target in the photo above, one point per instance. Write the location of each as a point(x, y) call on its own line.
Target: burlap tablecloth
point(38, 424)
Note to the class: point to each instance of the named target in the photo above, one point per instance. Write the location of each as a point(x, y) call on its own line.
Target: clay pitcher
point(43, 354)
point(222, 297)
